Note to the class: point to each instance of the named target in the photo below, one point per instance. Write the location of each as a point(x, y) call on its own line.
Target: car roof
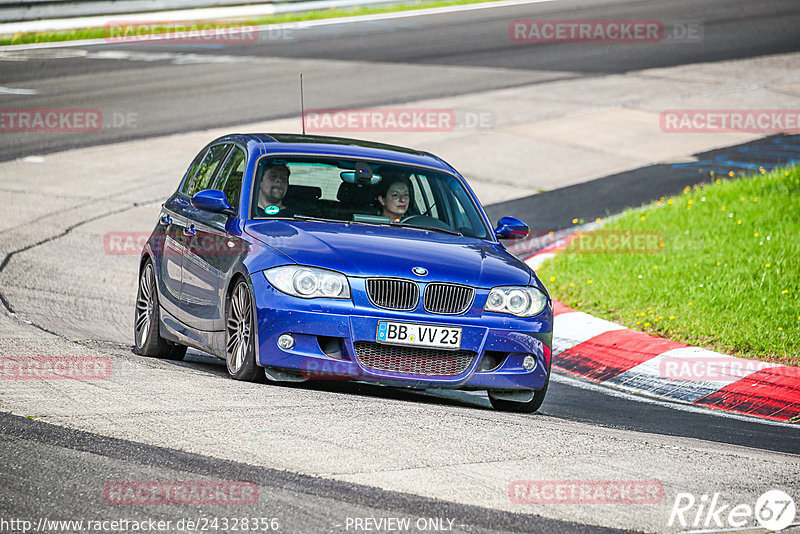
point(279, 143)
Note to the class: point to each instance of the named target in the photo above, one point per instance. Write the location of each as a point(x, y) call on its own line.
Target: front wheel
point(146, 337)
point(519, 407)
point(241, 336)
point(528, 406)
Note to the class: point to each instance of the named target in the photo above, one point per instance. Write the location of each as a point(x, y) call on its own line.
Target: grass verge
point(167, 27)
point(718, 267)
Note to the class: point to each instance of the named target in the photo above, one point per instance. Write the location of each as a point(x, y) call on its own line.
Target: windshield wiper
point(397, 225)
point(431, 228)
point(311, 218)
point(323, 219)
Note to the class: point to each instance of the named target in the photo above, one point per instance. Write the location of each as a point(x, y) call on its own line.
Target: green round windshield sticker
point(271, 210)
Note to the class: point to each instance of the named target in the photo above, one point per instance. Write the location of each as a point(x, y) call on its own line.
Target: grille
point(449, 299)
point(393, 294)
point(412, 360)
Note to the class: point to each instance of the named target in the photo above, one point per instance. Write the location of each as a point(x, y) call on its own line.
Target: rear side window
point(207, 169)
point(229, 180)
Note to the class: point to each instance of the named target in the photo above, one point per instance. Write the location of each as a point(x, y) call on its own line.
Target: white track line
point(300, 25)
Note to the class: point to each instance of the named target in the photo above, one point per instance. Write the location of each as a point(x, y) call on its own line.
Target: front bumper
point(327, 332)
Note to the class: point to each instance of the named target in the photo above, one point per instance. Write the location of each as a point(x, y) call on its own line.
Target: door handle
point(190, 231)
point(166, 220)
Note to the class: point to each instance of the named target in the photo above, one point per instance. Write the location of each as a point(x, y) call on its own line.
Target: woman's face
point(395, 203)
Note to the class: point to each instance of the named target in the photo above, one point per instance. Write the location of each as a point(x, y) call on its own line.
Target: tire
point(240, 336)
point(522, 407)
point(147, 340)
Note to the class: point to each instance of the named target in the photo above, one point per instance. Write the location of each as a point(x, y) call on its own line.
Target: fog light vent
point(331, 346)
point(492, 360)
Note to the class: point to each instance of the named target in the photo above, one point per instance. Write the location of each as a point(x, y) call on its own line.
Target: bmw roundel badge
point(420, 271)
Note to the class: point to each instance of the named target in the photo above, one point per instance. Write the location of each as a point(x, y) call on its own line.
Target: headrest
point(356, 194)
point(302, 193)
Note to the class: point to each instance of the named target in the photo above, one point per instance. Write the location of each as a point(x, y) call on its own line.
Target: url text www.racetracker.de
point(185, 524)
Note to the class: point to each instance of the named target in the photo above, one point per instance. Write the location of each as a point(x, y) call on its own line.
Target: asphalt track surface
point(47, 469)
point(192, 87)
point(301, 503)
point(612, 194)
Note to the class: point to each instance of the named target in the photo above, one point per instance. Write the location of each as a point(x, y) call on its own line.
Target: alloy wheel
point(144, 305)
point(239, 328)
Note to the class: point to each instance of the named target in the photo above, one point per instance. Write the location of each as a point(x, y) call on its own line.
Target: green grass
point(102, 32)
point(724, 274)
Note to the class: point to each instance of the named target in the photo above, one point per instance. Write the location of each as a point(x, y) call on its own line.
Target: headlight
point(521, 301)
point(308, 282)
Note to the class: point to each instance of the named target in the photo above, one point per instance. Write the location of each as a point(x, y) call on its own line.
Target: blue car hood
point(372, 250)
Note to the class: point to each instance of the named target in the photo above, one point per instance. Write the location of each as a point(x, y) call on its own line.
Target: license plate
point(419, 335)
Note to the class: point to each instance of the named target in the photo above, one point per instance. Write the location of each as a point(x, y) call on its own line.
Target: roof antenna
point(302, 108)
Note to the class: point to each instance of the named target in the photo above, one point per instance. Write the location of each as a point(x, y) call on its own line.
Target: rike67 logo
point(774, 510)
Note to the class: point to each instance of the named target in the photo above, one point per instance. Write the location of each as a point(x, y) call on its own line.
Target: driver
point(274, 184)
point(395, 200)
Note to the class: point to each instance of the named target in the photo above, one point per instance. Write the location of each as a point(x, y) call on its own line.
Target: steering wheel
point(425, 221)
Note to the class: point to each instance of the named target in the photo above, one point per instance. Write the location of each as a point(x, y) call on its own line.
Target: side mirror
point(511, 228)
point(212, 200)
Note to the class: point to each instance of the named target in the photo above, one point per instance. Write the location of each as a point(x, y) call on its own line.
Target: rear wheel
point(147, 340)
point(241, 335)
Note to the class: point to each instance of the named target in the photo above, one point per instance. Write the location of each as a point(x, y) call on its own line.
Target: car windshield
point(367, 192)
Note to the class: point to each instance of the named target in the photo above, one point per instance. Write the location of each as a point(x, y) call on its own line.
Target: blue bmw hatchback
point(297, 257)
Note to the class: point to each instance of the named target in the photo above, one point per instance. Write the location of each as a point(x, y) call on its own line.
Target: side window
point(229, 180)
point(190, 173)
point(207, 169)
